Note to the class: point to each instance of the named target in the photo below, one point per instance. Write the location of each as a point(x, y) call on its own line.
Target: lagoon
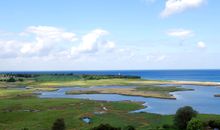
point(202, 99)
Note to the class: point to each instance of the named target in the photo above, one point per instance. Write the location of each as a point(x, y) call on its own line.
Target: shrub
point(183, 116)
point(214, 124)
point(105, 127)
point(129, 127)
point(59, 124)
point(11, 79)
point(195, 124)
point(25, 129)
point(167, 127)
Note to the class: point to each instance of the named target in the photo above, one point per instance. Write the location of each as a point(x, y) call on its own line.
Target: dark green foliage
point(105, 127)
point(168, 127)
point(214, 123)
point(11, 79)
point(129, 127)
point(25, 129)
point(195, 124)
point(59, 124)
point(62, 76)
point(97, 77)
point(21, 80)
point(183, 116)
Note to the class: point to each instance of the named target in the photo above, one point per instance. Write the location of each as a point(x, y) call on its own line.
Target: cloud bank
point(53, 42)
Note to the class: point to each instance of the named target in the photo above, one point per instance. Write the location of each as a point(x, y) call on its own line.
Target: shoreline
point(198, 83)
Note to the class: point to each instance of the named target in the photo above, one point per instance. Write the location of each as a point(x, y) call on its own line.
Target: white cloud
point(201, 45)
point(180, 33)
point(51, 33)
point(156, 57)
point(51, 42)
point(177, 6)
point(92, 43)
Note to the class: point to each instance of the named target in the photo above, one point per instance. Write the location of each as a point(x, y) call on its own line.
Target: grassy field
point(146, 88)
point(20, 108)
point(39, 114)
point(144, 91)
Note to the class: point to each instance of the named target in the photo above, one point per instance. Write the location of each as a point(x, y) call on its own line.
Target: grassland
point(144, 91)
point(39, 114)
point(20, 108)
point(146, 88)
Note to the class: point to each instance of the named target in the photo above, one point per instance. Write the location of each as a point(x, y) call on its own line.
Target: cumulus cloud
point(92, 43)
point(201, 45)
point(51, 33)
point(177, 6)
point(49, 42)
point(180, 33)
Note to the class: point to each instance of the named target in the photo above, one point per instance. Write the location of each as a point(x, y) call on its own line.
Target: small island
point(217, 95)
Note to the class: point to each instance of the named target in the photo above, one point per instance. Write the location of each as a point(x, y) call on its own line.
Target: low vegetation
point(20, 109)
point(144, 91)
point(40, 114)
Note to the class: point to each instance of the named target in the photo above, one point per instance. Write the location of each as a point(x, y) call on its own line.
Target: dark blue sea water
point(186, 75)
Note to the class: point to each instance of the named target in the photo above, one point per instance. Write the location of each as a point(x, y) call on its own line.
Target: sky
point(109, 34)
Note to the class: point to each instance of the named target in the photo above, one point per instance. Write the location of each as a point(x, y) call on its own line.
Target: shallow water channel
point(202, 99)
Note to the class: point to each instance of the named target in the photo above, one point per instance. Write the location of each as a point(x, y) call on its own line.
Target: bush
point(167, 127)
point(129, 127)
point(195, 124)
point(214, 124)
point(21, 80)
point(105, 127)
point(59, 124)
point(25, 129)
point(183, 116)
point(11, 79)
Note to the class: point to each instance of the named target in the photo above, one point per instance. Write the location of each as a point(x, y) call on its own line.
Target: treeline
point(11, 77)
point(97, 77)
point(19, 75)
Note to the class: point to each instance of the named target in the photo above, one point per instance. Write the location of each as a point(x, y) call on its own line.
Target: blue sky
point(109, 34)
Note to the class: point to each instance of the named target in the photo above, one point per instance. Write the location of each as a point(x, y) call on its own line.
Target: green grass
point(16, 116)
point(10, 93)
point(43, 112)
point(161, 89)
point(48, 78)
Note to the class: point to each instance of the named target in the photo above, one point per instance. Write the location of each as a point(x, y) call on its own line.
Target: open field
point(50, 82)
point(39, 114)
point(89, 80)
point(22, 109)
point(144, 91)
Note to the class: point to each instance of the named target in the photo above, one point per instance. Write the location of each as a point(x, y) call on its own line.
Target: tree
point(105, 127)
point(25, 129)
point(183, 116)
point(129, 127)
point(214, 124)
point(11, 79)
point(195, 124)
point(59, 124)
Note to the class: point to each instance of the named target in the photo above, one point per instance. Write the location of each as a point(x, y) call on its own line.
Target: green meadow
point(20, 108)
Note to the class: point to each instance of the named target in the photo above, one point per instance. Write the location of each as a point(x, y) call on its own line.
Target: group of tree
point(185, 119)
